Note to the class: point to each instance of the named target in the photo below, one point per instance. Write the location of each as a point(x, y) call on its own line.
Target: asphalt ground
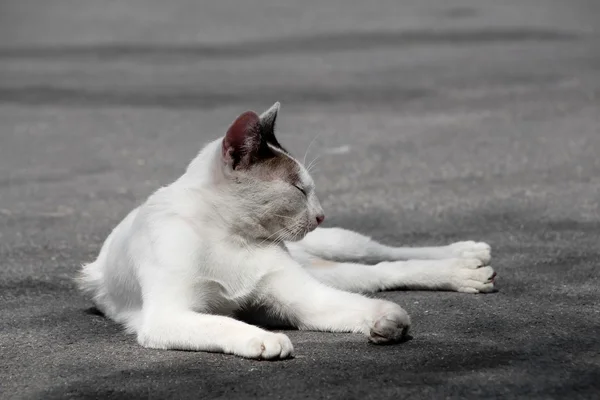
point(433, 121)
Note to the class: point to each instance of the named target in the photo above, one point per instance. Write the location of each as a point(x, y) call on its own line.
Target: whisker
point(278, 233)
point(313, 163)
point(308, 148)
point(283, 216)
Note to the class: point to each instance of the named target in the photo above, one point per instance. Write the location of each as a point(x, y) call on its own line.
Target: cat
point(239, 231)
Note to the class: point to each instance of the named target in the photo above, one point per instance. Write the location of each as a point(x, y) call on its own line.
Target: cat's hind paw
point(471, 276)
point(470, 249)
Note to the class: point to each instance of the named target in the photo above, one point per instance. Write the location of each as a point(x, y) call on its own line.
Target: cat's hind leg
point(347, 246)
point(459, 274)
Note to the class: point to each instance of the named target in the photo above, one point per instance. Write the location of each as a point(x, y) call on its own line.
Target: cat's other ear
point(242, 140)
point(267, 123)
point(268, 119)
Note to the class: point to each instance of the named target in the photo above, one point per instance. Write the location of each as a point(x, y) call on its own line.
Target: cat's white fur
point(216, 242)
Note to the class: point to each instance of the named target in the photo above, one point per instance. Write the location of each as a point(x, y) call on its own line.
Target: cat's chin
point(287, 236)
point(296, 236)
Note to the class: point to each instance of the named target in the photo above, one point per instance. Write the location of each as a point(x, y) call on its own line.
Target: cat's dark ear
point(268, 119)
point(267, 124)
point(242, 140)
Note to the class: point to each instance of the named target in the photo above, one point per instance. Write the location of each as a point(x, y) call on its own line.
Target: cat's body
point(238, 231)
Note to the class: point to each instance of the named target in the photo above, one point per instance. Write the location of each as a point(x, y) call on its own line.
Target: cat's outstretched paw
point(470, 249)
point(266, 346)
point(469, 275)
point(391, 326)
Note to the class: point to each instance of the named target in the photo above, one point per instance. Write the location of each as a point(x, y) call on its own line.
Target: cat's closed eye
point(300, 189)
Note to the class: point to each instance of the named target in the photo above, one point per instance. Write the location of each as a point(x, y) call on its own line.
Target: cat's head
point(274, 190)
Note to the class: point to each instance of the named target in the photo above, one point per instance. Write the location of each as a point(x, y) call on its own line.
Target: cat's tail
point(89, 279)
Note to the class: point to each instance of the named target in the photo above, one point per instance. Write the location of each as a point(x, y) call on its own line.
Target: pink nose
point(320, 219)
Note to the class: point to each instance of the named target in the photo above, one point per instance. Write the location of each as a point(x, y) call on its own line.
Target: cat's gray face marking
point(275, 191)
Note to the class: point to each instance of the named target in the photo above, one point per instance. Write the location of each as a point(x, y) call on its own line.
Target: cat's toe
point(271, 346)
point(470, 276)
point(287, 349)
point(470, 249)
point(391, 327)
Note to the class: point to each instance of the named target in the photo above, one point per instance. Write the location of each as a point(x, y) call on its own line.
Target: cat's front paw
point(390, 325)
point(265, 346)
point(469, 275)
point(470, 249)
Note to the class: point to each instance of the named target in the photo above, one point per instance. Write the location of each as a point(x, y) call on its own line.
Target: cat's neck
point(205, 170)
point(205, 196)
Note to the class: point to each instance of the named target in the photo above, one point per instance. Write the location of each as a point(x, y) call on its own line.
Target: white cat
point(238, 232)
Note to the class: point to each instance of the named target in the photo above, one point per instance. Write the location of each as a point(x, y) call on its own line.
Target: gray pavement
point(434, 121)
